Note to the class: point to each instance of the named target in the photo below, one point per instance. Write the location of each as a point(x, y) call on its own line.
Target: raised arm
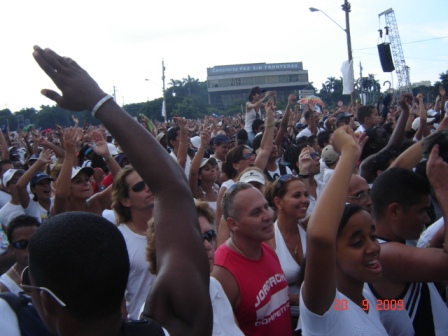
point(184, 307)
point(24, 196)
point(319, 288)
point(193, 177)
point(268, 136)
point(260, 103)
point(62, 184)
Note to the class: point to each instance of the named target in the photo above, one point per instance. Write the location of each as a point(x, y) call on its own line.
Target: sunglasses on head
point(210, 236)
point(282, 180)
point(20, 244)
point(26, 286)
point(139, 186)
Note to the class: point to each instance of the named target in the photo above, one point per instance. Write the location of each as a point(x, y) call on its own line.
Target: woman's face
point(358, 250)
point(295, 202)
point(42, 190)
point(246, 161)
point(81, 186)
point(209, 172)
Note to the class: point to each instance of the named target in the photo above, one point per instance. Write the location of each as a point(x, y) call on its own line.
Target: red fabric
point(264, 303)
point(108, 180)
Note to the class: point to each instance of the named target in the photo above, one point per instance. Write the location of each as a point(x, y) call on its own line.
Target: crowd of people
point(307, 221)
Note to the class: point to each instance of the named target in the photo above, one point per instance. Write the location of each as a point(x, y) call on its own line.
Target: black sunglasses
point(313, 155)
point(20, 244)
point(139, 186)
point(210, 236)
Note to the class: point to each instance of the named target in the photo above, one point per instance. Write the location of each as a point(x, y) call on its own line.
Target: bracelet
point(201, 149)
point(270, 125)
point(184, 144)
point(100, 103)
point(107, 158)
point(304, 175)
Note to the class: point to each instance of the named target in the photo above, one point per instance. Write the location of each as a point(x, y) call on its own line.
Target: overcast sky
point(122, 43)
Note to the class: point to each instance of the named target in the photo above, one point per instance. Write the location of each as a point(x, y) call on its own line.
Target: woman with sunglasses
point(342, 255)
point(288, 196)
point(19, 232)
point(133, 204)
point(203, 174)
point(223, 318)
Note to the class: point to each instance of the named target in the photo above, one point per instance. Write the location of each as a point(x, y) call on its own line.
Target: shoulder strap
point(145, 327)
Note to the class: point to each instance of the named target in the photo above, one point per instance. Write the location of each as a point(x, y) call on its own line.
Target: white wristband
point(100, 103)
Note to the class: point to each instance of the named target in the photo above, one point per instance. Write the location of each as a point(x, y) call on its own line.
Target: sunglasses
point(139, 186)
point(361, 197)
point(283, 180)
point(27, 287)
point(20, 244)
point(314, 155)
point(210, 236)
point(247, 156)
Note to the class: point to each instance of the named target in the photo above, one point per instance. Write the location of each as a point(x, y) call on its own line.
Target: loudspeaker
point(386, 57)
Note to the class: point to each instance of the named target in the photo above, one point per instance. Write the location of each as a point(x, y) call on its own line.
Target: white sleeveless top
point(251, 116)
point(289, 265)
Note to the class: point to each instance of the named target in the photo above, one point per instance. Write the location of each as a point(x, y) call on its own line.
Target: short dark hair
point(397, 185)
point(82, 258)
point(323, 138)
point(18, 222)
point(257, 123)
point(364, 112)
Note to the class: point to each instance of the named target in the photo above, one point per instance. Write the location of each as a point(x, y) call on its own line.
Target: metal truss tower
point(402, 70)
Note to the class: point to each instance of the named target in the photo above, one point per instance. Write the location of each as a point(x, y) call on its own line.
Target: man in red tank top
point(248, 269)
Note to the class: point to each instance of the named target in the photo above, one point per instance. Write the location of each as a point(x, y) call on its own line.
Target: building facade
point(230, 84)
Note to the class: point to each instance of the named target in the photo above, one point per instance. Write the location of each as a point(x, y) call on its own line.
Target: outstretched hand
point(79, 91)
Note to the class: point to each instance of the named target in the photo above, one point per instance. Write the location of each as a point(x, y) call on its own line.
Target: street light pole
point(346, 7)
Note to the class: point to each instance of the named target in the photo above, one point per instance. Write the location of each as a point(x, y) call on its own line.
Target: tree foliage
point(188, 97)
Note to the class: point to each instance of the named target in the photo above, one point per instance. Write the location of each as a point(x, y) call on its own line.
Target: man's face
point(359, 193)
point(255, 217)
point(374, 118)
point(221, 151)
point(412, 221)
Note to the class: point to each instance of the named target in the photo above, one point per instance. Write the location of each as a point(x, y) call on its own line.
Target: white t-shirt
point(275, 175)
point(344, 317)
point(187, 163)
point(426, 235)
point(223, 319)
point(8, 320)
point(360, 129)
point(4, 198)
point(36, 210)
point(140, 279)
point(10, 211)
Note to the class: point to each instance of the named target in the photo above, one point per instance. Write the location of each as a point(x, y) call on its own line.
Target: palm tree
point(191, 84)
